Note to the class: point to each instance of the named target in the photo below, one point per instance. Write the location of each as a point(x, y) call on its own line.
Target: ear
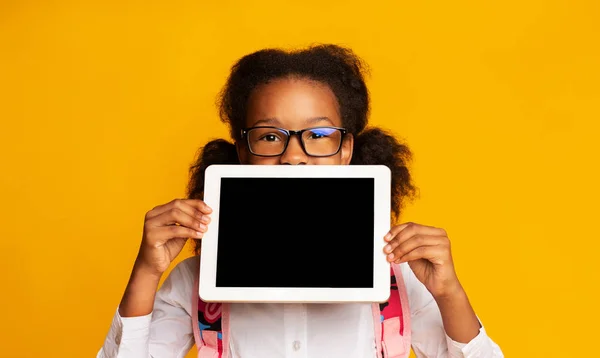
point(347, 149)
point(242, 152)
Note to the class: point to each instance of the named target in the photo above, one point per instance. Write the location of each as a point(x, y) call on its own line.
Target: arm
point(166, 229)
point(444, 322)
point(429, 338)
point(139, 295)
point(460, 322)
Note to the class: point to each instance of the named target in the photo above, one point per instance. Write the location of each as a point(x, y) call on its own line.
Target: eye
point(319, 133)
point(270, 137)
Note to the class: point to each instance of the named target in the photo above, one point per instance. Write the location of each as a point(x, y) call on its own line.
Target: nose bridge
point(294, 154)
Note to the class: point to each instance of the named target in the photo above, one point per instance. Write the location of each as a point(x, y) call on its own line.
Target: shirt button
point(296, 345)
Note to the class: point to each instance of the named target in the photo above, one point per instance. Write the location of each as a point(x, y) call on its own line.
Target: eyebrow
point(267, 121)
point(316, 120)
point(275, 121)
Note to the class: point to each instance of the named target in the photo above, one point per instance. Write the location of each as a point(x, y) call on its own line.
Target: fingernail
point(198, 234)
point(390, 256)
point(203, 227)
point(388, 248)
point(205, 219)
point(387, 236)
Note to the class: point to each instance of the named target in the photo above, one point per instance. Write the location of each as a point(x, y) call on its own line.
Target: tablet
point(296, 233)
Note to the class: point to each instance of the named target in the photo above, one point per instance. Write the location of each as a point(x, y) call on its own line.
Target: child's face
point(294, 104)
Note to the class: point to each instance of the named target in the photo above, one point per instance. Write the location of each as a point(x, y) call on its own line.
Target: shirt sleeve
point(480, 346)
point(429, 339)
point(166, 332)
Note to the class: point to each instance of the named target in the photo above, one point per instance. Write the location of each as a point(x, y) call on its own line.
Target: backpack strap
point(377, 322)
point(392, 320)
point(225, 329)
point(209, 321)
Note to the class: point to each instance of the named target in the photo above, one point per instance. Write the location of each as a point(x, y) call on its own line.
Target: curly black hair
point(335, 66)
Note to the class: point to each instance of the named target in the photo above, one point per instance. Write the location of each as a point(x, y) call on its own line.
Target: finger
point(193, 207)
point(399, 249)
point(163, 234)
point(395, 230)
point(405, 231)
point(176, 216)
point(197, 207)
point(434, 254)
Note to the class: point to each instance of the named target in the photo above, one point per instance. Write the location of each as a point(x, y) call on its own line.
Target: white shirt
point(283, 330)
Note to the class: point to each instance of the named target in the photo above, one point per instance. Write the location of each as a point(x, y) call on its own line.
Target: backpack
point(392, 323)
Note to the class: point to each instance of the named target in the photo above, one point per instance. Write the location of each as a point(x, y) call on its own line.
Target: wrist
point(452, 293)
point(145, 272)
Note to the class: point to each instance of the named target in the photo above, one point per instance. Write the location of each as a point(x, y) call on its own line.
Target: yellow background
point(103, 105)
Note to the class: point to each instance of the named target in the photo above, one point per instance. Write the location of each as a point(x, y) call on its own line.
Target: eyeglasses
point(273, 141)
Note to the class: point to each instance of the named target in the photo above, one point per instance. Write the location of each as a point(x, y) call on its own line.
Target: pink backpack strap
point(392, 320)
point(211, 334)
point(377, 319)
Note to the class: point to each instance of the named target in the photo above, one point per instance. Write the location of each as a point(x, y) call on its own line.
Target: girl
point(268, 94)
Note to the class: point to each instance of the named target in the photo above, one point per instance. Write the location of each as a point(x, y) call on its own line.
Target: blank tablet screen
point(296, 232)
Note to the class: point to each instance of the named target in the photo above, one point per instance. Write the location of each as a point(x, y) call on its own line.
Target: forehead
point(293, 103)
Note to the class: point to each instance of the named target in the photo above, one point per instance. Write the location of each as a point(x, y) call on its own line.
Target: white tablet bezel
point(209, 292)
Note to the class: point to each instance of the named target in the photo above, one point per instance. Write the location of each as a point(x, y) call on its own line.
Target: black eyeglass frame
point(290, 133)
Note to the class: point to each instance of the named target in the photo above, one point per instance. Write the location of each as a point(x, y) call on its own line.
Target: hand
point(166, 230)
point(427, 251)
